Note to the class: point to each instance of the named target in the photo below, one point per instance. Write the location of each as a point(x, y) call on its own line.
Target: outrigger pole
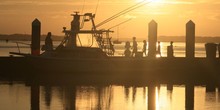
point(120, 24)
point(140, 4)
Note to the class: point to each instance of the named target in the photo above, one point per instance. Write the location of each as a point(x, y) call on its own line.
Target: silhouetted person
point(48, 42)
point(103, 44)
point(159, 49)
point(6, 40)
point(144, 47)
point(134, 52)
point(170, 50)
point(127, 51)
point(112, 49)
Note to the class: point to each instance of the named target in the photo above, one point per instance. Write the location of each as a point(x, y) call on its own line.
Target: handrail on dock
point(17, 43)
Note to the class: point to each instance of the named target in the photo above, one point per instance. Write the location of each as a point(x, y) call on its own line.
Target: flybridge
point(76, 28)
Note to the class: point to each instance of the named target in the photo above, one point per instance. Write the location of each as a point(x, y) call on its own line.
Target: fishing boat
point(71, 57)
point(96, 63)
point(68, 48)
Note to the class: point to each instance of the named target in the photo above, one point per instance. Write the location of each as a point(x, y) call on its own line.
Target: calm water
point(113, 97)
point(17, 95)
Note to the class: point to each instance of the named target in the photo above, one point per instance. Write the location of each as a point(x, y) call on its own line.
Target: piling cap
point(36, 22)
point(153, 22)
point(190, 22)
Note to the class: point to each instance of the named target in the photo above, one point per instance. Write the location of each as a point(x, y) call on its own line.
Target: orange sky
point(171, 16)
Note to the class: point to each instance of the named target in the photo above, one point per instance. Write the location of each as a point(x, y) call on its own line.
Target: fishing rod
point(118, 14)
point(120, 23)
point(140, 4)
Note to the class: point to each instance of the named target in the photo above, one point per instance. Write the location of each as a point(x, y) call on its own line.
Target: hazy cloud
point(58, 11)
point(177, 2)
point(187, 2)
point(43, 2)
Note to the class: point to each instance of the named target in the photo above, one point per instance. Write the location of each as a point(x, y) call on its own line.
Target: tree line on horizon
point(27, 37)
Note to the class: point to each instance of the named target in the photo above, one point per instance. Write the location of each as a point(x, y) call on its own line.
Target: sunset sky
point(171, 15)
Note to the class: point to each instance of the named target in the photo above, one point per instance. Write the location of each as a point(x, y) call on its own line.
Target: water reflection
point(35, 98)
point(109, 97)
point(134, 90)
point(152, 93)
point(48, 95)
point(126, 92)
point(69, 94)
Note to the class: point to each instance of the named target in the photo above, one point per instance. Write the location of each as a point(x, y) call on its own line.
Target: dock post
point(211, 49)
point(35, 40)
point(190, 39)
point(152, 39)
point(35, 96)
point(189, 97)
point(151, 97)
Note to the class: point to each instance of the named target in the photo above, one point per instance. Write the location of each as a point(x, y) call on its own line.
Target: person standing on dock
point(48, 42)
point(134, 52)
point(170, 50)
point(127, 51)
point(144, 47)
point(112, 49)
point(158, 48)
point(219, 50)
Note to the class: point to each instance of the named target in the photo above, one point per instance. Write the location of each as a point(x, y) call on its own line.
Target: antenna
point(83, 6)
point(97, 7)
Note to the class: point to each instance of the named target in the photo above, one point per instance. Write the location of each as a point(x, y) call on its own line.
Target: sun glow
point(157, 1)
point(153, 1)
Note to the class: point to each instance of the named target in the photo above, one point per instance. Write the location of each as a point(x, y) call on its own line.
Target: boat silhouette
point(117, 41)
point(68, 48)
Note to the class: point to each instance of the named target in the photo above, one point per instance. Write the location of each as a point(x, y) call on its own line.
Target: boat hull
point(141, 69)
point(114, 69)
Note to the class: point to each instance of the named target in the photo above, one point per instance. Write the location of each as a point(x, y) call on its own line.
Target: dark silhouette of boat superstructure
point(69, 49)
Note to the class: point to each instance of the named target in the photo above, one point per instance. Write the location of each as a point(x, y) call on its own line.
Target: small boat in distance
point(117, 41)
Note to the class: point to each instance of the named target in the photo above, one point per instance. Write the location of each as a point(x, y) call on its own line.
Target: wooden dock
point(116, 70)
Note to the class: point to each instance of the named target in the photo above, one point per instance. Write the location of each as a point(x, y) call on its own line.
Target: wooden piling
point(189, 97)
point(211, 49)
point(35, 97)
point(190, 39)
point(152, 39)
point(35, 41)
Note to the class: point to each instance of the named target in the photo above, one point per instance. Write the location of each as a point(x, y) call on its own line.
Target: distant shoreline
point(27, 37)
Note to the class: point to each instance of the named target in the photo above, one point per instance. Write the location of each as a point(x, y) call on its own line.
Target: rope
point(120, 23)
